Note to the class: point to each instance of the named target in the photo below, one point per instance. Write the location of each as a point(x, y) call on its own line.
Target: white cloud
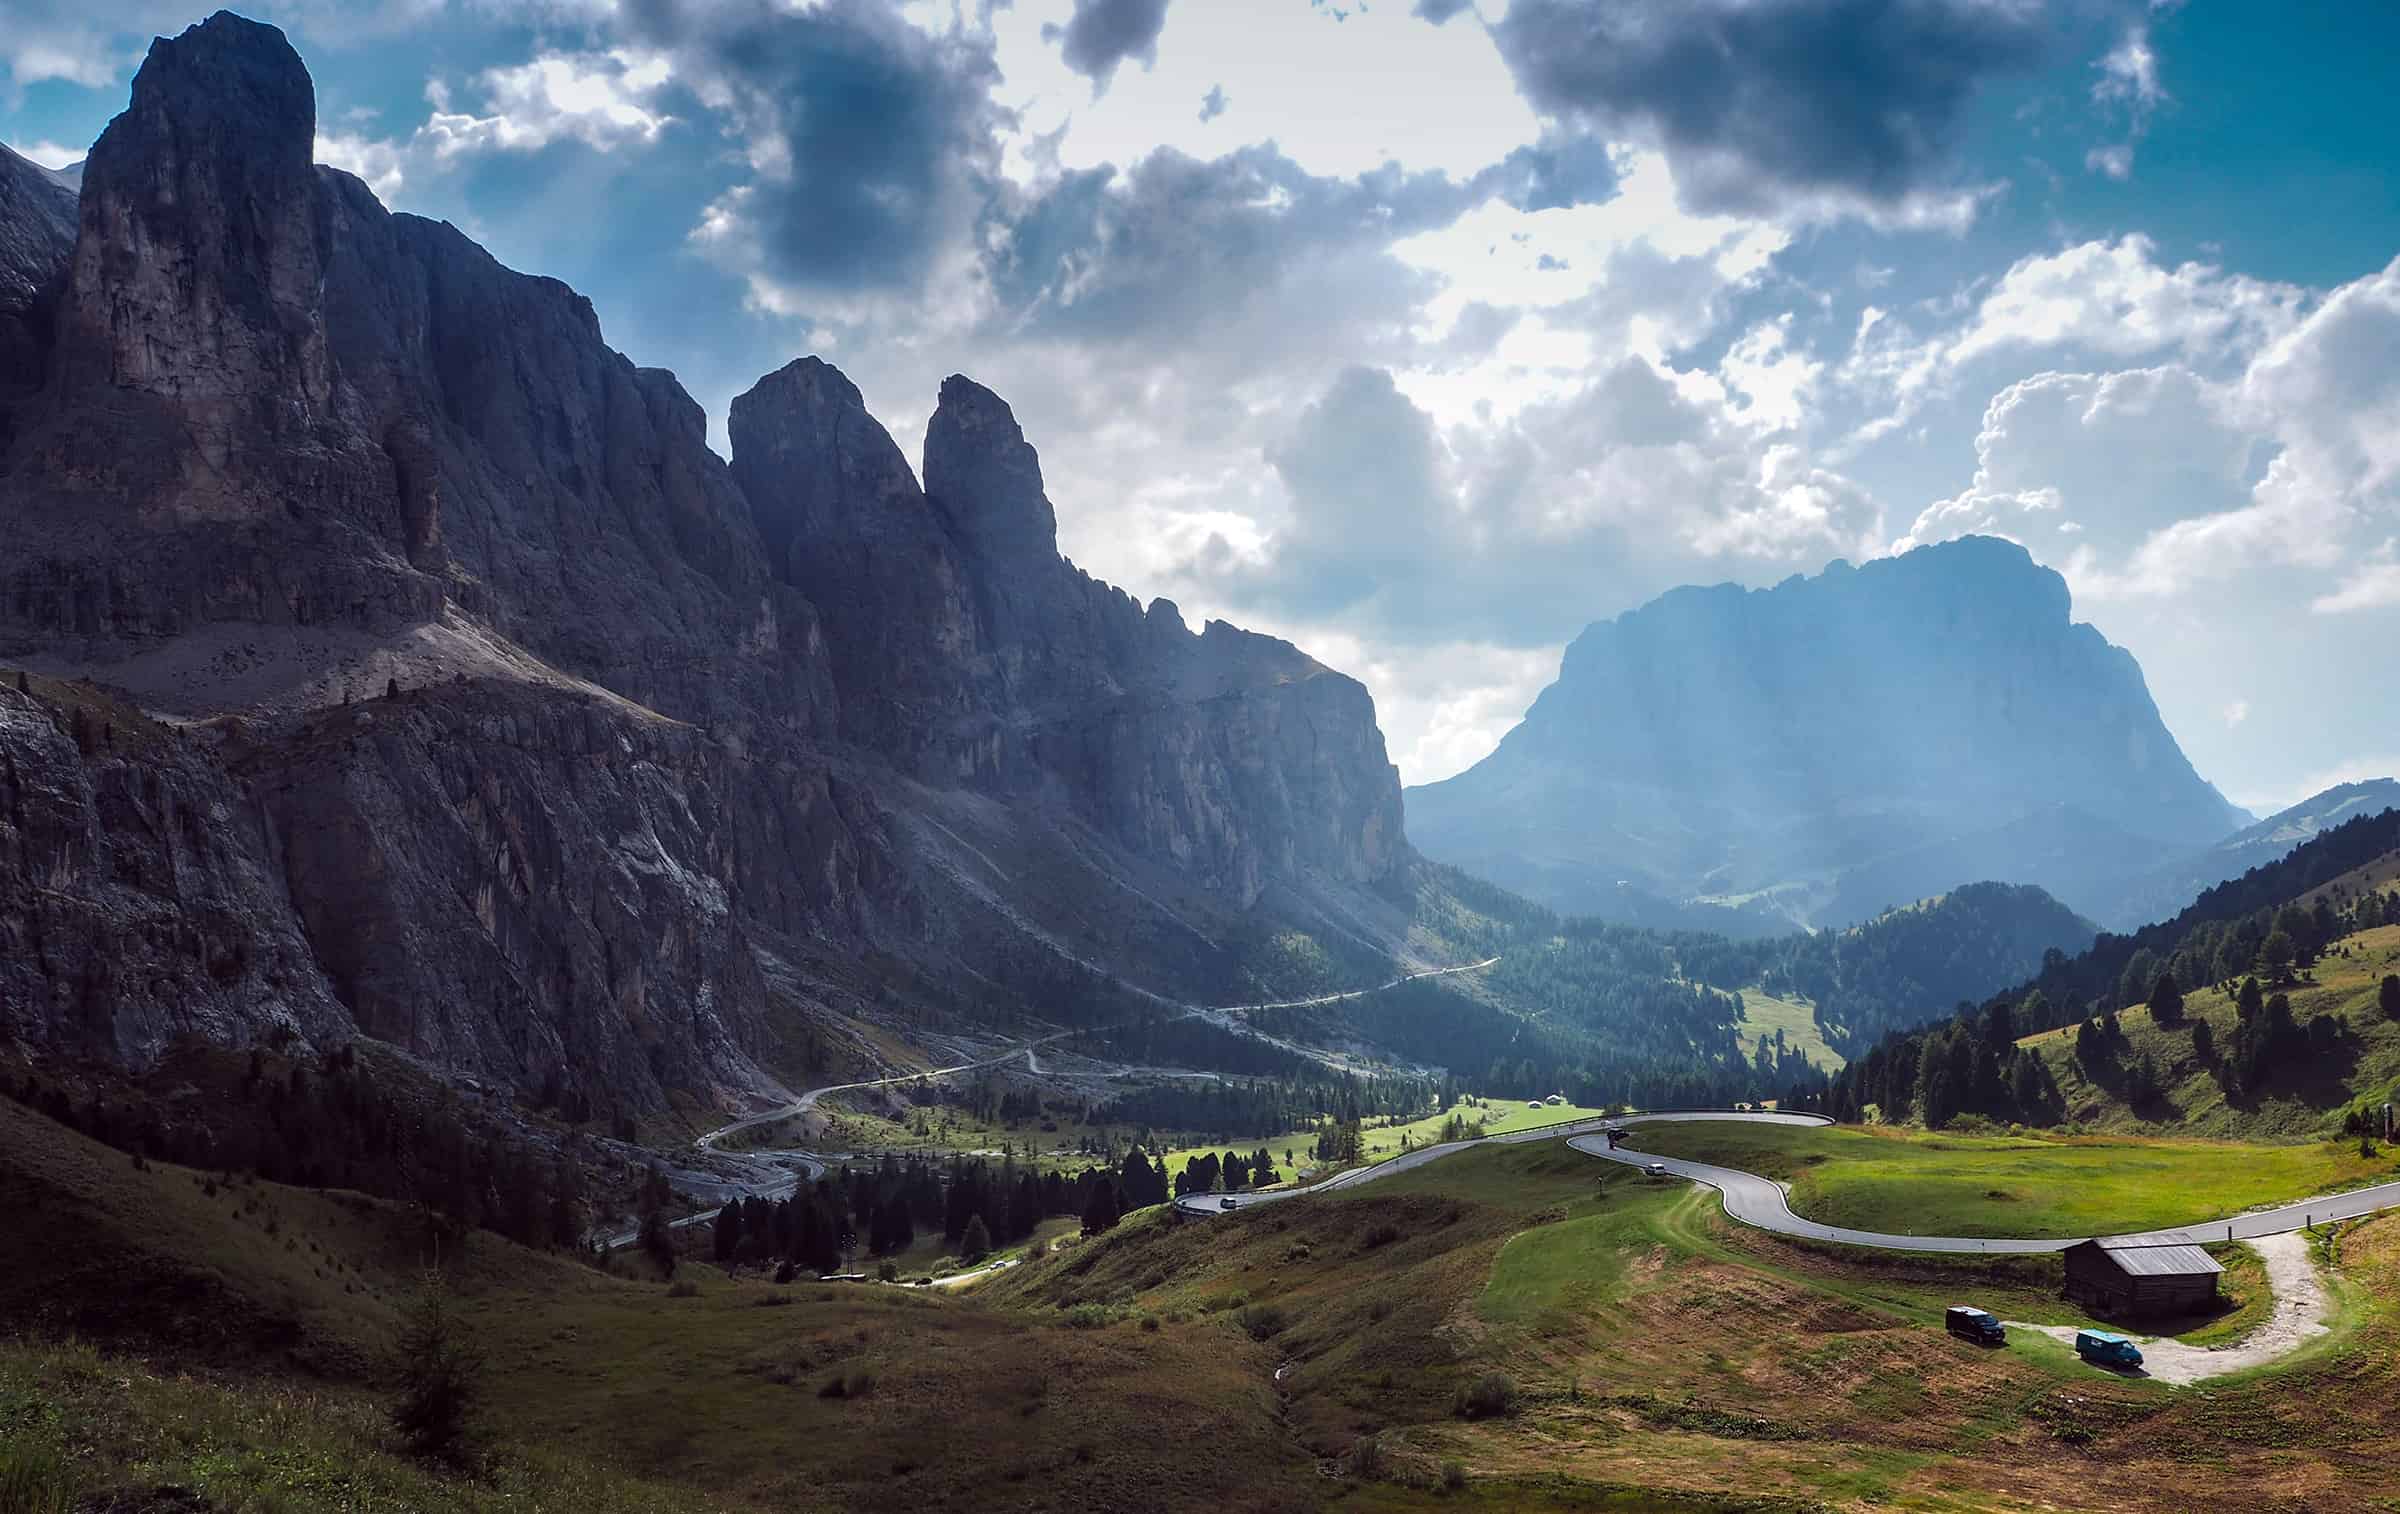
point(48, 154)
point(1339, 97)
point(2236, 711)
point(383, 165)
point(2092, 302)
point(2115, 298)
point(2374, 587)
point(2129, 73)
point(2114, 160)
point(604, 100)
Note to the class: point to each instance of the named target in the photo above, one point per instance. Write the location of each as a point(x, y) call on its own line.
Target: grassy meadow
point(1763, 1014)
point(2365, 1067)
point(1914, 1183)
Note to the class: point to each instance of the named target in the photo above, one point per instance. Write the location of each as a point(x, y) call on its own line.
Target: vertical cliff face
point(969, 651)
point(37, 242)
point(662, 732)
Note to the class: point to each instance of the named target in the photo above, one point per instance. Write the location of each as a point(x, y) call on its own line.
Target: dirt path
point(2299, 1315)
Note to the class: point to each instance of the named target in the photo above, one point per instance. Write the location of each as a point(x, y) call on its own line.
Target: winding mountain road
point(1764, 1203)
point(2300, 1305)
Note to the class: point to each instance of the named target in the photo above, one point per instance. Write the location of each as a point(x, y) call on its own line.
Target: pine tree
point(440, 1375)
point(2277, 953)
point(978, 1242)
point(2166, 999)
point(2388, 996)
point(658, 1242)
point(1101, 1214)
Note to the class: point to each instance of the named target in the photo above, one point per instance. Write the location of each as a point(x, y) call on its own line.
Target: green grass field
point(1763, 1014)
point(1911, 1183)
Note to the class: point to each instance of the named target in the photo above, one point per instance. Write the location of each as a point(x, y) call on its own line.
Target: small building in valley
point(2131, 1280)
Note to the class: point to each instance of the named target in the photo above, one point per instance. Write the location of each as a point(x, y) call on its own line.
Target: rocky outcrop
point(1916, 723)
point(678, 757)
point(37, 240)
point(141, 895)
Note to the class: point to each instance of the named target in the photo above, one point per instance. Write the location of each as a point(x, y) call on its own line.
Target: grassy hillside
point(2363, 1067)
point(1791, 1017)
point(237, 1342)
point(1526, 1324)
point(1514, 1328)
point(1912, 1183)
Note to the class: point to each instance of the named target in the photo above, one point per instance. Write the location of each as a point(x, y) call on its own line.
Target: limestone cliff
point(490, 714)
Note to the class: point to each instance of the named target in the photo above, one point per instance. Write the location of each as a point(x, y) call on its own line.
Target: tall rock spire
point(198, 270)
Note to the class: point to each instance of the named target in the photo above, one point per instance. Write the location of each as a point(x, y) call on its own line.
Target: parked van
point(1977, 1325)
point(2107, 1349)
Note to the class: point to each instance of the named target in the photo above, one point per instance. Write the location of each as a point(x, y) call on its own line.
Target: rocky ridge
point(685, 768)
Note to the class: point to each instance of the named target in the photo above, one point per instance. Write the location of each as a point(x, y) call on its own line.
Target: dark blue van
point(1978, 1325)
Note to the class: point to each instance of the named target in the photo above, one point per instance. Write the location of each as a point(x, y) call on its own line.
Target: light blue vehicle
point(2106, 1349)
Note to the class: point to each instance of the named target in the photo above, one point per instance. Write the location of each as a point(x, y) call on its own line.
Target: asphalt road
point(1761, 1201)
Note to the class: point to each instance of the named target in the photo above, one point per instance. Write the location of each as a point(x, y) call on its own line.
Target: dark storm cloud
point(1104, 33)
point(878, 139)
point(1759, 99)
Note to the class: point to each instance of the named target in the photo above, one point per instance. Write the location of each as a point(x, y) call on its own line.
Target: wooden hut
point(2131, 1280)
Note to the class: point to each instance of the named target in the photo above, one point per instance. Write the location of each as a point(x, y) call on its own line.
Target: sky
point(1425, 334)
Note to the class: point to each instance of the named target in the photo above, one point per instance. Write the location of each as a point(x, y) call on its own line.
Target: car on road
point(2106, 1349)
point(1227, 1203)
point(1973, 1324)
point(1654, 1170)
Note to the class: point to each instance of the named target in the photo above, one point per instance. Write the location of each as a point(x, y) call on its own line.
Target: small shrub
point(1454, 1476)
point(887, 1272)
point(1366, 1459)
point(1380, 1235)
point(1091, 1316)
point(1262, 1321)
point(1150, 1322)
point(1225, 1301)
point(1488, 1397)
point(852, 1385)
point(683, 1287)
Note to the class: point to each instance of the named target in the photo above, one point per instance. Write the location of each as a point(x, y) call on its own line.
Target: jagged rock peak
point(198, 269)
point(816, 465)
point(984, 474)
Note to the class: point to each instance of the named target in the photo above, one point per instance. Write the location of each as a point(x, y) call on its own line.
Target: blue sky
point(1427, 333)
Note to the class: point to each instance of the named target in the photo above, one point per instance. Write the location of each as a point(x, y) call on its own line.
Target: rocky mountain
point(37, 237)
point(400, 661)
point(1833, 747)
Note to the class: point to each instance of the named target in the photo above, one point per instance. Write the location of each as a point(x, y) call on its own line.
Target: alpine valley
point(544, 965)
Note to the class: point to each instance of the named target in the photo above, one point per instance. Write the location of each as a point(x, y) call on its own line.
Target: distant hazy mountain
point(2161, 893)
point(1832, 747)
